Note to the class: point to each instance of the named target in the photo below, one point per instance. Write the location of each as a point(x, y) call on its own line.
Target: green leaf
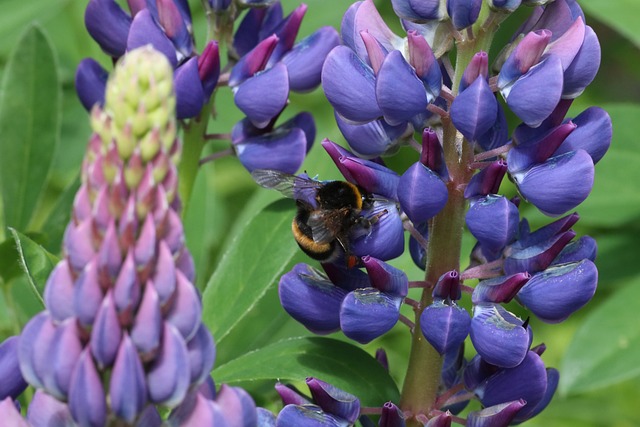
point(254, 261)
point(615, 198)
point(29, 125)
point(337, 362)
point(59, 217)
point(621, 15)
point(606, 348)
point(35, 260)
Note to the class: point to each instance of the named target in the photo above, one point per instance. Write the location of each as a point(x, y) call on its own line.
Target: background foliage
point(241, 242)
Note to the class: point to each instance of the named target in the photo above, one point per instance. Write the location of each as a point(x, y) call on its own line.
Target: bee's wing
point(289, 185)
point(324, 225)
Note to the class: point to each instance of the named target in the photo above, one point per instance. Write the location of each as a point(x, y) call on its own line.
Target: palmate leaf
point(29, 125)
point(337, 362)
point(36, 262)
point(606, 347)
point(254, 261)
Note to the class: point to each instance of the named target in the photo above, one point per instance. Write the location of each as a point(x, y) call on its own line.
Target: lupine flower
point(362, 305)
point(122, 300)
point(166, 25)
point(281, 148)
point(369, 77)
point(270, 63)
point(329, 406)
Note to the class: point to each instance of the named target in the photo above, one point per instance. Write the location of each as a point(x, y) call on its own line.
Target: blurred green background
point(597, 350)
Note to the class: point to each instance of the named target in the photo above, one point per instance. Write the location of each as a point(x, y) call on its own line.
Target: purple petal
point(304, 62)
point(290, 396)
point(367, 313)
point(493, 220)
point(46, 410)
point(238, 407)
point(478, 67)
point(445, 326)
point(334, 400)
point(475, 110)
point(399, 92)
point(421, 58)
point(164, 279)
point(553, 378)
point(349, 85)
point(202, 354)
point(497, 415)
point(499, 289)
point(371, 176)
point(109, 25)
point(144, 31)
point(147, 325)
point(287, 31)
point(391, 416)
point(190, 96)
point(127, 387)
point(463, 13)
point(59, 291)
point(593, 134)
point(527, 381)
point(559, 184)
point(417, 11)
point(209, 68)
point(584, 66)
point(10, 415)
point(173, 23)
point(86, 395)
point(374, 138)
point(422, 193)
point(90, 81)
point(525, 55)
point(554, 294)
point(498, 336)
point(568, 44)
point(448, 286)
point(196, 409)
point(106, 333)
point(365, 16)
point(536, 257)
point(305, 122)
point(525, 98)
point(583, 248)
point(537, 150)
point(87, 297)
point(253, 62)
point(12, 382)
point(311, 299)
point(186, 308)
point(308, 416)
point(168, 376)
point(34, 343)
point(386, 278)
point(78, 244)
point(282, 151)
point(263, 96)
point(487, 181)
point(385, 239)
point(126, 291)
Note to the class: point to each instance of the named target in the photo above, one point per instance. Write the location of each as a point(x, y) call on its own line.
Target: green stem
point(422, 379)
point(193, 143)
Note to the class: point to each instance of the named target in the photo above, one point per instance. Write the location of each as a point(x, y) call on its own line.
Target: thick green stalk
point(420, 388)
point(193, 143)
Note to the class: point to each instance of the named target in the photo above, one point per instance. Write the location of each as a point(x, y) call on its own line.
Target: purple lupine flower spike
point(132, 311)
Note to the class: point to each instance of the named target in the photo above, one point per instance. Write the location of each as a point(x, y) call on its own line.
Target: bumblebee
point(327, 212)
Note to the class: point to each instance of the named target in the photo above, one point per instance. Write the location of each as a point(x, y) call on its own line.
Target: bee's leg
point(368, 222)
point(351, 259)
